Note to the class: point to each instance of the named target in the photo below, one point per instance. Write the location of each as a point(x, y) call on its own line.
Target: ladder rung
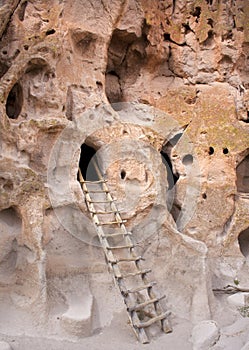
point(118, 234)
point(129, 259)
point(93, 182)
point(91, 201)
point(153, 320)
point(143, 272)
point(142, 305)
point(96, 191)
point(104, 212)
point(120, 247)
point(111, 222)
point(138, 289)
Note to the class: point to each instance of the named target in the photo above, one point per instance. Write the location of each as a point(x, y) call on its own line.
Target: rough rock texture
point(205, 335)
point(131, 78)
point(4, 346)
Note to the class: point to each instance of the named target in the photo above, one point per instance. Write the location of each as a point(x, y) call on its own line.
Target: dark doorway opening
point(165, 154)
point(88, 163)
point(171, 176)
point(244, 242)
point(14, 102)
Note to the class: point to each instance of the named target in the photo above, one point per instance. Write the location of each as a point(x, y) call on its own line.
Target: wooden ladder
point(142, 303)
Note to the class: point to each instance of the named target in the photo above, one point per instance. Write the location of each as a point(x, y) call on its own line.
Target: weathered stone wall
point(62, 65)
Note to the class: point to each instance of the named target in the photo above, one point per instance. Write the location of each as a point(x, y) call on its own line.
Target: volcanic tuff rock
point(131, 79)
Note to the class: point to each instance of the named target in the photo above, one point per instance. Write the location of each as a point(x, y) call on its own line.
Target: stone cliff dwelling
point(124, 174)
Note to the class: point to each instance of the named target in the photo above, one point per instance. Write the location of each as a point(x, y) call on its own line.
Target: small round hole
point(50, 32)
point(211, 151)
point(204, 196)
point(225, 151)
point(123, 174)
point(187, 159)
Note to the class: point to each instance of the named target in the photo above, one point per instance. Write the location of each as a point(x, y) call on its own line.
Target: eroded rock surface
point(131, 79)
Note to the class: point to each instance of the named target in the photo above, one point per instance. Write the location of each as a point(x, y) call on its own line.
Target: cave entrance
point(165, 154)
point(87, 162)
point(14, 102)
point(171, 177)
point(242, 172)
point(244, 242)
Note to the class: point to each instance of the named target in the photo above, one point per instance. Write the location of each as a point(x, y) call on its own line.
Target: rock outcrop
point(160, 93)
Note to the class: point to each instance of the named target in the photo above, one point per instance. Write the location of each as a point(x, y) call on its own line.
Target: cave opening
point(14, 102)
point(88, 162)
point(123, 174)
point(187, 159)
point(243, 240)
point(242, 172)
point(126, 57)
point(171, 176)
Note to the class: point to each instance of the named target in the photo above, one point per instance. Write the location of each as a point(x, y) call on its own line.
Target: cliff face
point(131, 79)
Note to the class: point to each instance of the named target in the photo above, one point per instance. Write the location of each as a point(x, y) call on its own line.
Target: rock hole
point(242, 172)
point(14, 102)
point(226, 60)
point(204, 196)
point(26, 47)
point(3, 69)
point(10, 217)
point(50, 31)
point(225, 151)
point(21, 12)
point(87, 163)
point(84, 42)
point(187, 160)
point(166, 37)
point(211, 151)
point(126, 56)
point(8, 186)
point(123, 174)
point(210, 38)
point(171, 176)
point(187, 28)
point(243, 240)
point(246, 120)
point(197, 13)
point(99, 85)
point(210, 22)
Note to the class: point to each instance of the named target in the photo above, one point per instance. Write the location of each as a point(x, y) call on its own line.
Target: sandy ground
point(23, 331)
point(117, 336)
